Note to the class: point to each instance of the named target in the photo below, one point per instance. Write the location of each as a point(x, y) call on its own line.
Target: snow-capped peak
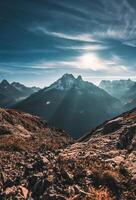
point(64, 83)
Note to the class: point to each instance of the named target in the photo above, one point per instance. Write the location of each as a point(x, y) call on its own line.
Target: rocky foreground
point(37, 162)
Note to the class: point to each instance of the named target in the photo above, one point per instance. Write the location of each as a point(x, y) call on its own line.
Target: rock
point(111, 126)
point(125, 139)
point(10, 191)
point(5, 130)
point(67, 176)
point(54, 197)
point(33, 179)
point(24, 191)
point(45, 161)
point(28, 169)
point(38, 165)
point(3, 177)
point(9, 182)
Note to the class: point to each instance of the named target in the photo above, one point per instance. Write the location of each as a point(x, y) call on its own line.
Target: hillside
point(42, 163)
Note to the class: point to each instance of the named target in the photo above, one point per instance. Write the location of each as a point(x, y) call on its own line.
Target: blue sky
point(42, 39)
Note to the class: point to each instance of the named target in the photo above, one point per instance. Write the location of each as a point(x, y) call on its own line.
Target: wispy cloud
point(77, 37)
point(115, 21)
point(93, 47)
point(131, 43)
point(121, 24)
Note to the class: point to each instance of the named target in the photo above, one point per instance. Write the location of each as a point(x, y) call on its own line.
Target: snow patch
point(48, 102)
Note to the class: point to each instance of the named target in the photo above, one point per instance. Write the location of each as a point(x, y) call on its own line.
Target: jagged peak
point(15, 83)
point(4, 82)
point(18, 85)
point(66, 82)
point(67, 76)
point(79, 78)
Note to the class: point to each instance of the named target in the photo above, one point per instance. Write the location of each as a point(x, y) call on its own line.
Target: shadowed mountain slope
point(13, 93)
point(72, 104)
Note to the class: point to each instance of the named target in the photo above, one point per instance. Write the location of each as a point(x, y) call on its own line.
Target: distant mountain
point(130, 96)
point(72, 104)
point(8, 94)
point(125, 90)
point(14, 92)
point(9, 90)
point(117, 88)
point(131, 93)
point(130, 105)
point(26, 91)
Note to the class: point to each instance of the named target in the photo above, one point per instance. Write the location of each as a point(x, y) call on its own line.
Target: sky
point(40, 40)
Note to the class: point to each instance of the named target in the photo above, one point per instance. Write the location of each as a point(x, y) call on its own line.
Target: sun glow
point(91, 61)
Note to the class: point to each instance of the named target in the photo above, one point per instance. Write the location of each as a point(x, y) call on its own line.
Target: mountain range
point(118, 88)
point(124, 90)
point(72, 104)
point(38, 162)
point(14, 92)
point(131, 98)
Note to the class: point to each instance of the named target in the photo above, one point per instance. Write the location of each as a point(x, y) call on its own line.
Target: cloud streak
point(93, 47)
point(77, 37)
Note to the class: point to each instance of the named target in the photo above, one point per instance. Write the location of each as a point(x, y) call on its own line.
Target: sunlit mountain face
point(41, 40)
